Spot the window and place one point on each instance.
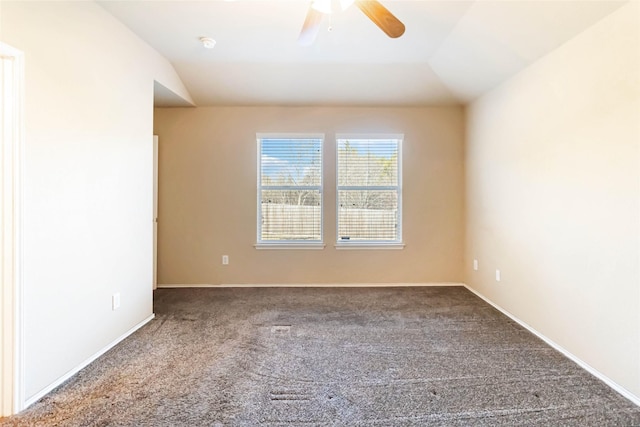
(369, 192)
(290, 191)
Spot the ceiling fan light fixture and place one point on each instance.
(373, 9)
(323, 6)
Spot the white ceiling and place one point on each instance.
(452, 51)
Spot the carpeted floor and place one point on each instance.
(330, 357)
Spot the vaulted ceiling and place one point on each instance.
(452, 51)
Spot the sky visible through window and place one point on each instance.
(291, 161)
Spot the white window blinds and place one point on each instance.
(369, 190)
(290, 190)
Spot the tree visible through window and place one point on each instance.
(369, 191)
(290, 190)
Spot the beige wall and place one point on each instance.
(207, 200)
(553, 185)
(87, 226)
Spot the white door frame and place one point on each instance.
(155, 211)
(11, 157)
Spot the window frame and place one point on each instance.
(369, 244)
(288, 244)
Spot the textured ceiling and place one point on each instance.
(452, 51)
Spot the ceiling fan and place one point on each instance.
(374, 10)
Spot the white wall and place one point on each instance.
(553, 196)
(88, 180)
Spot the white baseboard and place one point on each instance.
(84, 364)
(301, 285)
(608, 381)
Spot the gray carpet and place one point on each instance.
(330, 357)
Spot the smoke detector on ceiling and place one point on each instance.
(208, 42)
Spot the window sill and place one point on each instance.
(296, 246)
(368, 246)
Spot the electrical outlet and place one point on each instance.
(475, 264)
(115, 301)
(497, 275)
(225, 259)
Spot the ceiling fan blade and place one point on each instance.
(310, 28)
(381, 16)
